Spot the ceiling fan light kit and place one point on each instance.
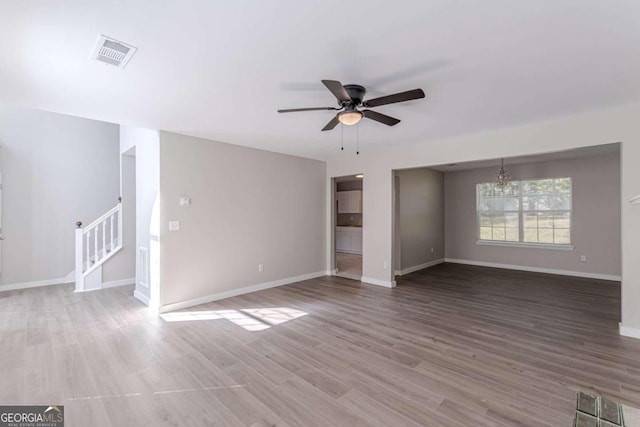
(349, 117)
(351, 97)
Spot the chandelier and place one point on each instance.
(502, 176)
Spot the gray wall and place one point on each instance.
(248, 207)
(420, 216)
(56, 170)
(595, 222)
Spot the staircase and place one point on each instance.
(95, 244)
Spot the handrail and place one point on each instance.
(97, 242)
(101, 218)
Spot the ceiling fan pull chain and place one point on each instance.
(341, 137)
(357, 139)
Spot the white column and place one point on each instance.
(119, 224)
(79, 255)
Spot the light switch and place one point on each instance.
(174, 225)
(185, 201)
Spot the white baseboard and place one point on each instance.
(111, 284)
(420, 267)
(141, 297)
(69, 278)
(348, 276)
(121, 282)
(626, 331)
(385, 283)
(535, 269)
(239, 291)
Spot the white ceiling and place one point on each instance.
(578, 153)
(221, 69)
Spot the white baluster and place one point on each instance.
(88, 250)
(104, 238)
(111, 241)
(96, 252)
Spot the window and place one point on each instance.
(528, 212)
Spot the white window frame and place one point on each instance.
(520, 243)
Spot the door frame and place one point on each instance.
(333, 230)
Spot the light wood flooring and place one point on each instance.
(450, 346)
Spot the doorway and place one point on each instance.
(418, 219)
(348, 226)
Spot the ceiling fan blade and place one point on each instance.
(337, 90)
(333, 123)
(379, 117)
(396, 97)
(293, 110)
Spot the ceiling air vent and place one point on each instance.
(113, 52)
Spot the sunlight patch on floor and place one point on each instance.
(250, 319)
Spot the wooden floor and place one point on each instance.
(349, 265)
(450, 346)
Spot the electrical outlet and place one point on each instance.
(583, 258)
(260, 267)
(174, 225)
(431, 250)
(385, 265)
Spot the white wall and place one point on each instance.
(595, 216)
(248, 207)
(56, 170)
(420, 216)
(145, 143)
(615, 125)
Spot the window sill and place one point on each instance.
(526, 245)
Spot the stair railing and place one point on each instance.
(97, 242)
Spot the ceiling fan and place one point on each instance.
(351, 97)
